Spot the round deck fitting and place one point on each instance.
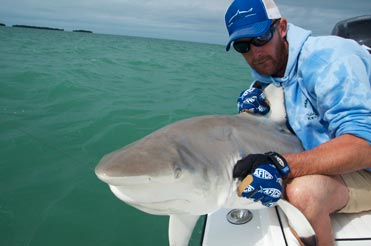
(239, 216)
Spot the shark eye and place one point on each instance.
(177, 172)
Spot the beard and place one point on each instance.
(274, 63)
(265, 65)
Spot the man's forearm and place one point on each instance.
(344, 154)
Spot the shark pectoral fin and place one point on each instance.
(299, 223)
(181, 228)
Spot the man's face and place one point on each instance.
(271, 58)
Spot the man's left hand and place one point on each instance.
(267, 171)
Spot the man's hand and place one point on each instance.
(254, 101)
(267, 171)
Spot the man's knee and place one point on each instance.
(317, 193)
(300, 192)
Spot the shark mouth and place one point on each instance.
(158, 207)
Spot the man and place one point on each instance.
(326, 81)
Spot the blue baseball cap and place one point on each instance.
(249, 18)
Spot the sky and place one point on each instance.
(189, 20)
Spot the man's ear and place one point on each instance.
(283, 27)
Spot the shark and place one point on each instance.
(184, 170)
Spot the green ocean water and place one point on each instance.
(66, 99)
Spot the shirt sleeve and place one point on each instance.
(344, 97)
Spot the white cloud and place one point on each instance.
(321, 16)
(186, 20)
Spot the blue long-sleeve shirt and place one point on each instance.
(327, 86)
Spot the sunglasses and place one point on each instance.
(244, 46)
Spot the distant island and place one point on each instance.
(82, 31)
(39, 27)
(46, 28)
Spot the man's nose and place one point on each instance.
(256, 51)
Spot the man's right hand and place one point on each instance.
(253, 100)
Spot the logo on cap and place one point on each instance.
(240, 14)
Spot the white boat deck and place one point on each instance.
(352, 229)
(269, 227)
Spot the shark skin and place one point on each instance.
(184, 170)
